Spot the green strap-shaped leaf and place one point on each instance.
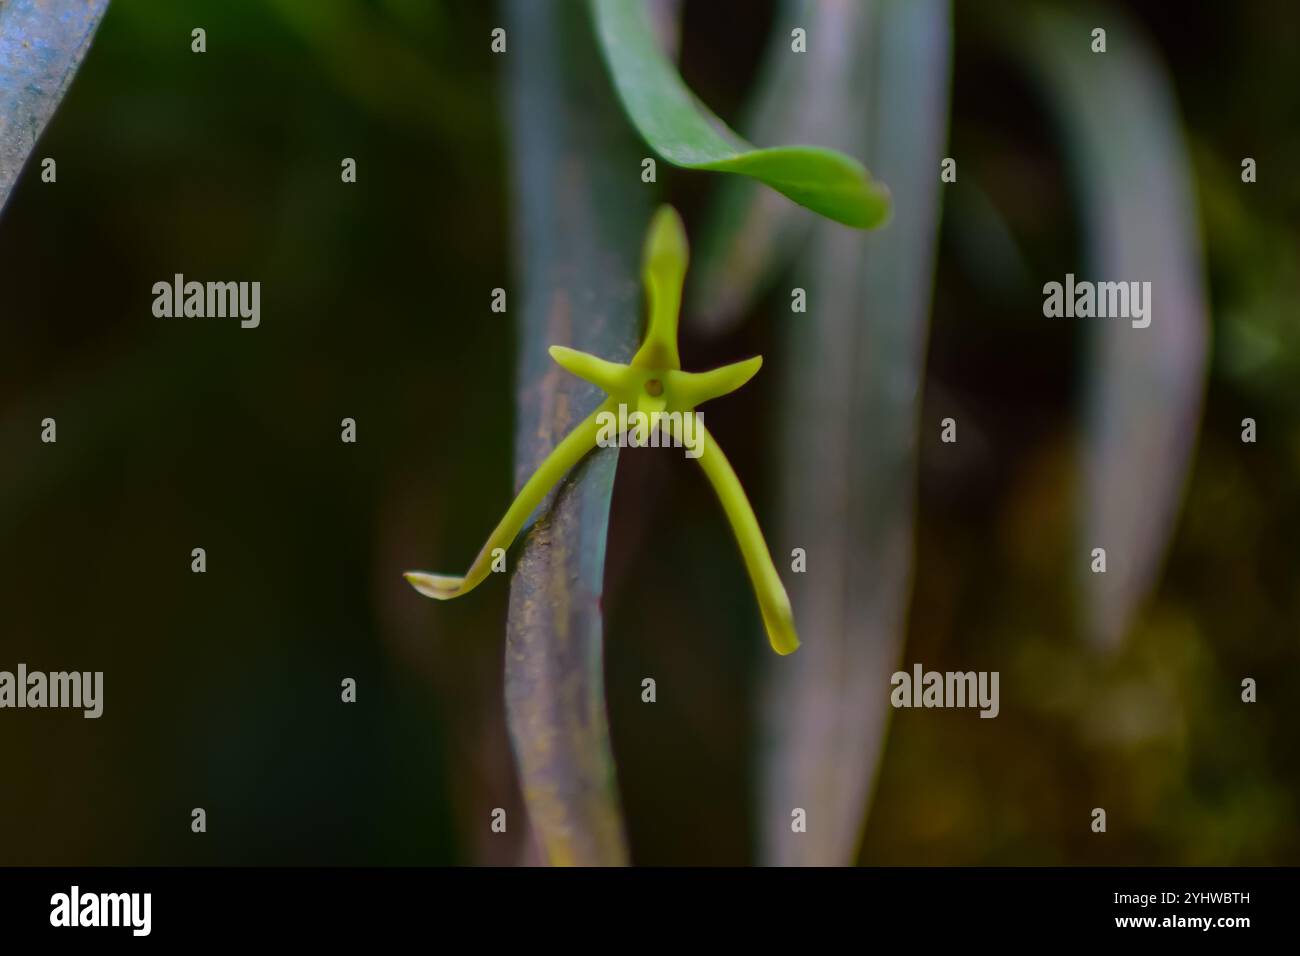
(685, 133)
(579, 229)
(42, 43)
(1144, 386)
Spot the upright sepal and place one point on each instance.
(664, 271)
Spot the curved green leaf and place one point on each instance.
(685, 133)
(750, 234)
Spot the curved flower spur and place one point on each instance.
(654, 384)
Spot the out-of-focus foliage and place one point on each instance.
(855, 367)
(1144, 384)
(41, 46)
(751, 235)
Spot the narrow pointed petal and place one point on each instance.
(440, 587)
(590, 368)
(772, 599)
(548, 474)
(663, 270)
(696, 388)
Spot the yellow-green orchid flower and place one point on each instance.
(652, 383)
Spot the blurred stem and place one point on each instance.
(580, 210)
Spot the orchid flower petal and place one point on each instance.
(608, 376)
(565, 455)
(773, 602)
(663, 270)
(696, 388)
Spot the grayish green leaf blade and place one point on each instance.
(581, 212)
(42, 42)
(751, 234)
(855, 369)
(1144, 386)
(666, 15)
(683, 131)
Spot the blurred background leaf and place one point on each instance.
(751, 234)
(42, 42)
(1144, 387)
(850, 413)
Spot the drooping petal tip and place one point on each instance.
(440, 587)
(780, 632)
